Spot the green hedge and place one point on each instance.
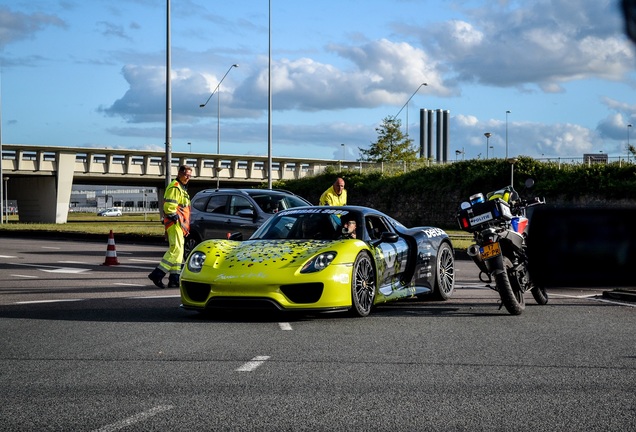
(431, 195)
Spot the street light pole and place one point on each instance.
(218, 119)
(2, 207)
(343, 151)
(270, 151)
(512, 162)
(407, 109)
(507, 112)
(168, 143)
(487, 135)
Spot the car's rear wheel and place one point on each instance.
(362, 285)
(445, 273)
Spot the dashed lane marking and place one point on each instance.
(49, 301)
(285, 326)
(137, 418)
(251, 365)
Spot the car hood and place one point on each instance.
(261, 254)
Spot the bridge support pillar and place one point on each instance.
(47, 199)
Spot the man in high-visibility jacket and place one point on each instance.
(336, 195)
(176, 219)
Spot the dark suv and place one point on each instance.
(217, 212)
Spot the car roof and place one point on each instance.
(247, 191)
(350, 208)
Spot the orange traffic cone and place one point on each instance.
(111, 253)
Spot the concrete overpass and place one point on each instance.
(40, 178)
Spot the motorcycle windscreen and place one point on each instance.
(583, 247)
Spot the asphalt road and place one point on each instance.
(88, 347)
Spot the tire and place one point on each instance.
(512, 300)
(540, 295)
(445, 273)
(189, 243)
(363, 285)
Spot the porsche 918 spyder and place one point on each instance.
(320, 259)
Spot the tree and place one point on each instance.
(391, 146)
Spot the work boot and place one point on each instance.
(173, 281)
(156, 277)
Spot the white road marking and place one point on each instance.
(8, 256)
(285, 326)
(594, 297)
(24, 276)
(136, 267)
(153, 297)
(135, 419)
(252, 364)
(51, 247)
(128, 284)
(65, 270)
(143, 260)
(49, 301)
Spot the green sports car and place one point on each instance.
(320, 259)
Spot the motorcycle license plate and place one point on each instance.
(490, 250)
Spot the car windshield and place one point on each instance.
(273, 203)
(305, 224)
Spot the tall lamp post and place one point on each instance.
(407, 109)
(343, 151)
(512, 162)
(487, 135)
(507, 112)
(218, 120)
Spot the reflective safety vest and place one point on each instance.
(177, 201)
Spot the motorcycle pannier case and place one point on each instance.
(479, 215)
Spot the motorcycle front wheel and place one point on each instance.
(512, 300)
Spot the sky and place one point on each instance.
(91, 73)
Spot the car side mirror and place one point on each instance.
(386, 237)
(246, 213)
(236, 236)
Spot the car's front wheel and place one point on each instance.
(189, 243)
(362, 285)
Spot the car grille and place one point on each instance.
(197, 292)
(303, 293)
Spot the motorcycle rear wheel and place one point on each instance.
(540, 295)
(512, 300)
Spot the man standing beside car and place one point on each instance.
(336, 195)
(176, 220)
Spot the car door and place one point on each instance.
(241, 216)
(211, 222)
(390, 258)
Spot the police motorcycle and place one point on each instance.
(499, 224)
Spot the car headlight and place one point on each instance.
(195, 262)
(319, 262)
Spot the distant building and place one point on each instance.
(592, 158)
(87, 196)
